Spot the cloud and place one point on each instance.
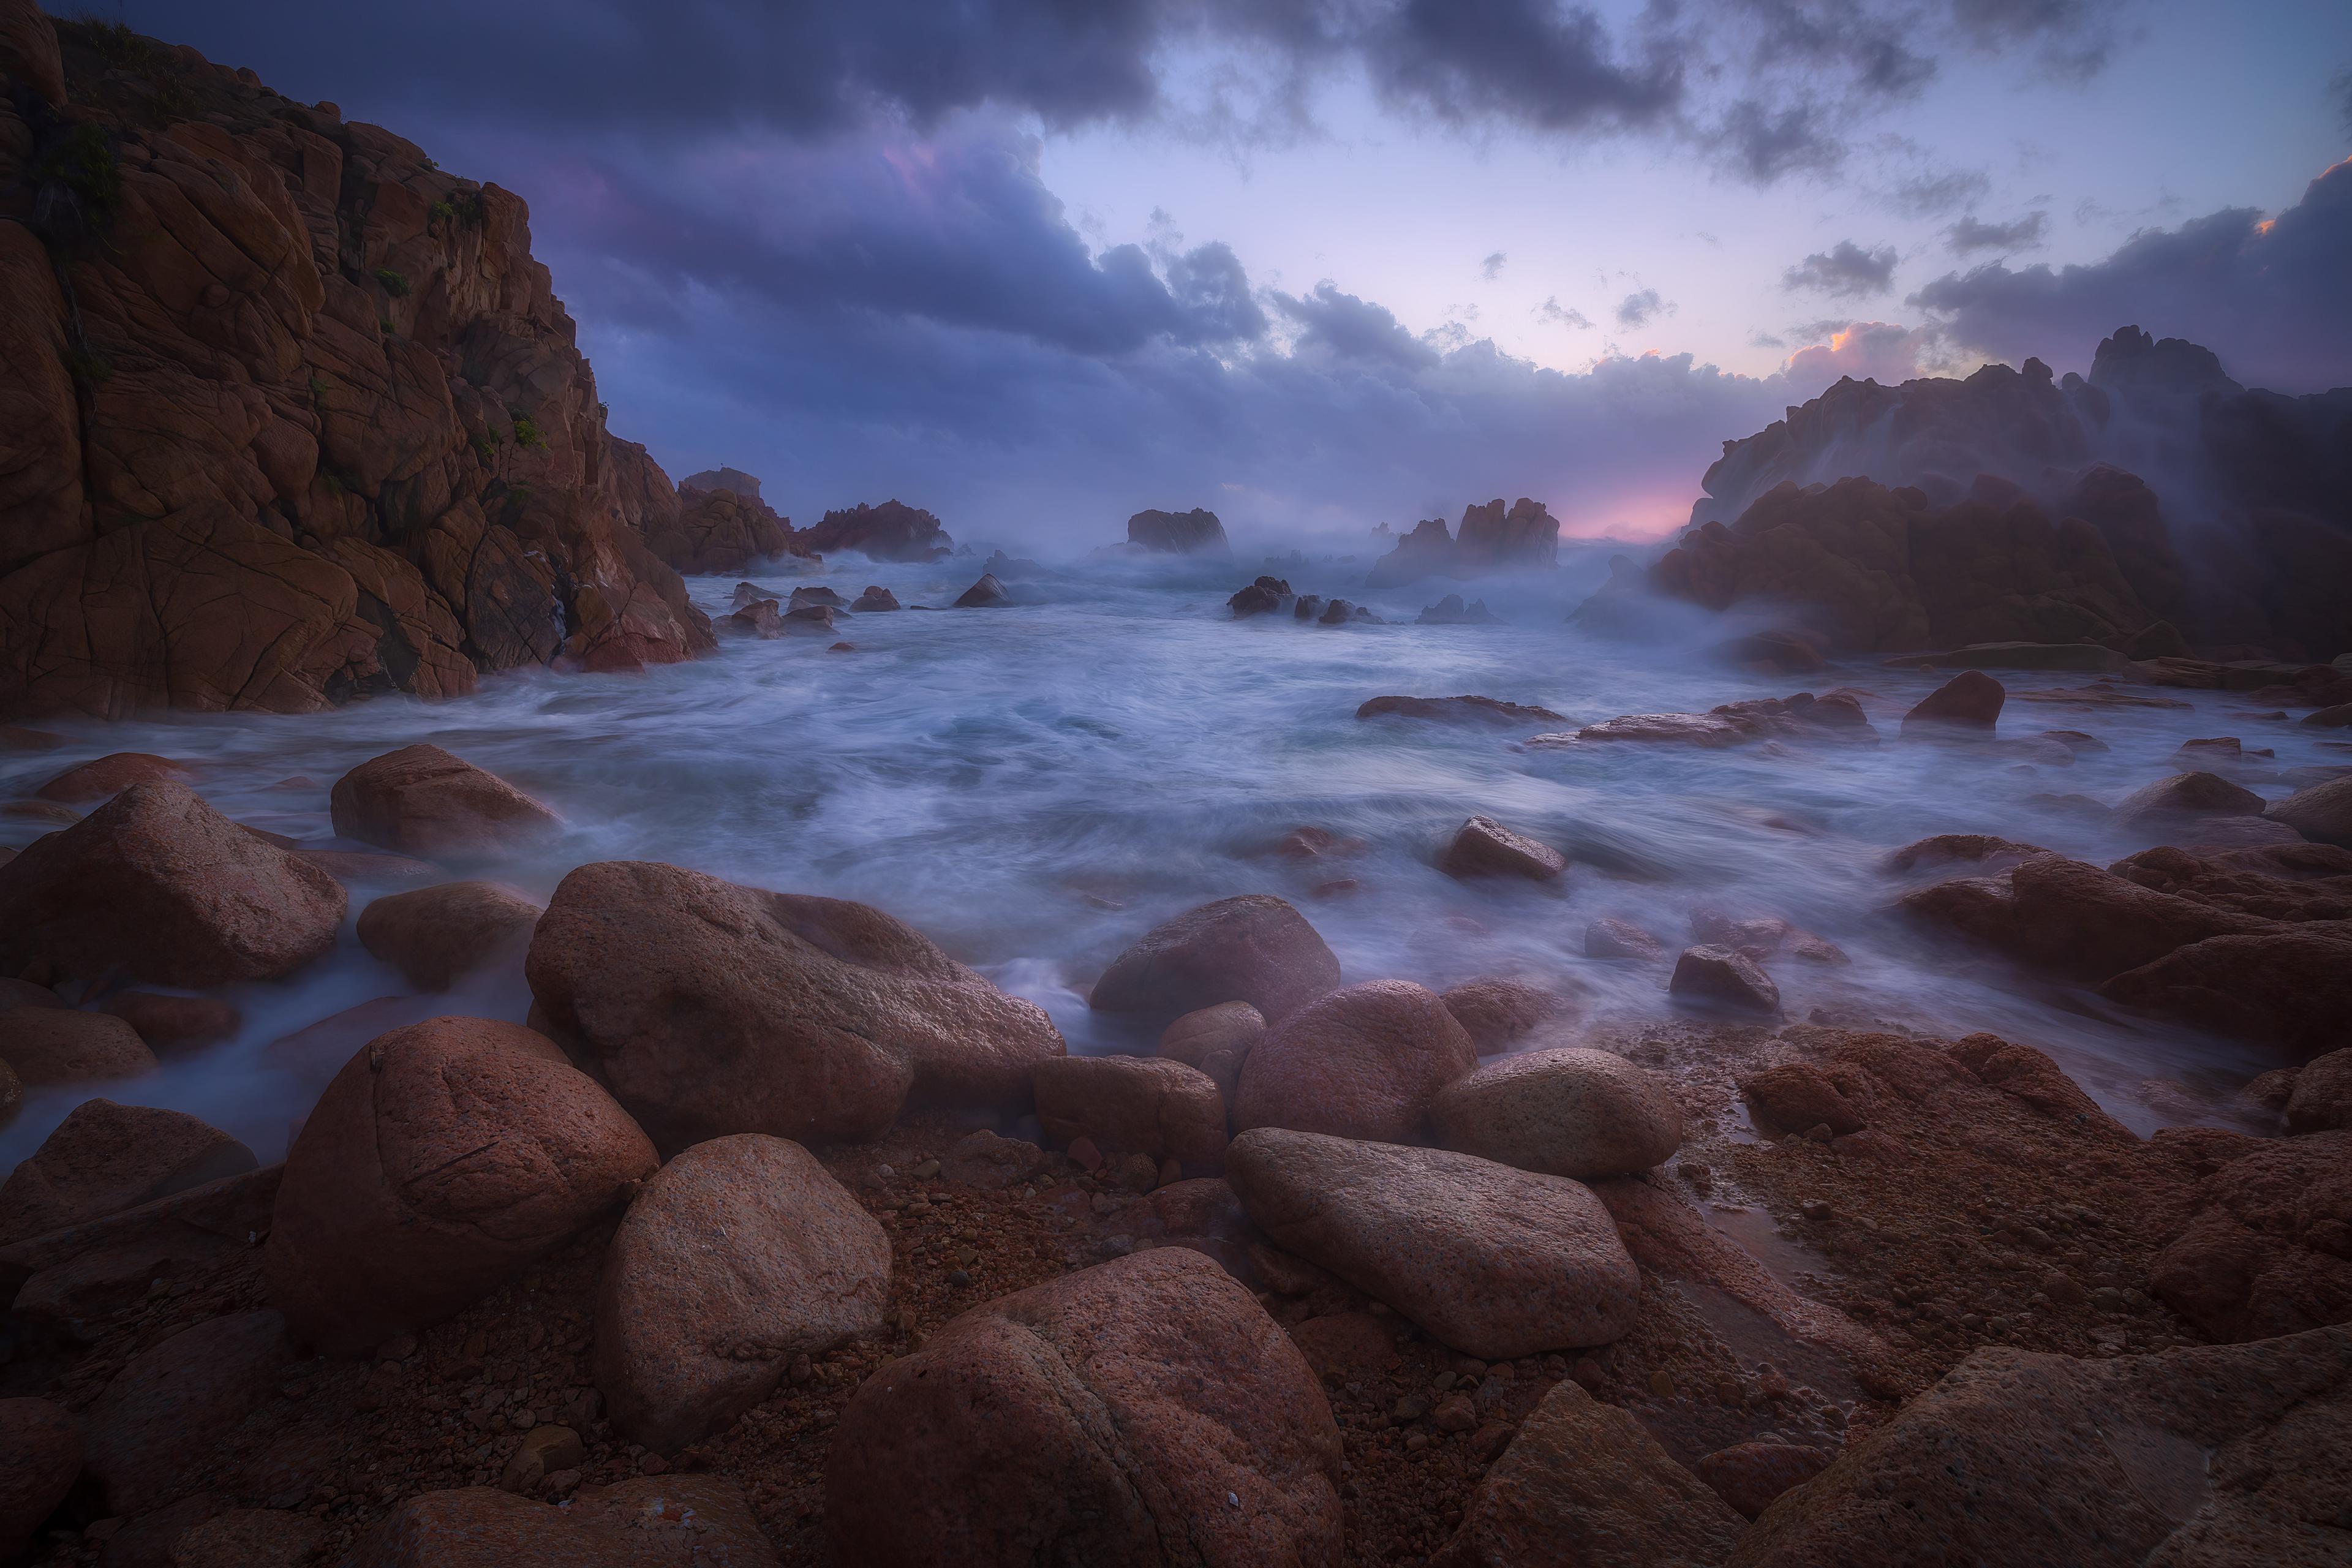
(1760, 339)
(1471, 60)
(1844, 271)
(1876, 351)
(1971, 234)
(1345, 327)
(1639, 310)
(1559, 315)
(2072, 40)
(2339, 92)
(1492, 268)
(2268, 295)
(1763, 143)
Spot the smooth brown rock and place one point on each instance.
(741, 1254)
(1254, 948)
(2321, 1099)
(420, 800)
(1621, 938)
(162, 1416)
(711, 1008)
(1750, 1476)
(1217, 1040)
(44, 1045)
(1496, 1012)
(2269, 1249)
(1492, 1261)
(1569, 1112)
(2227, 1456)
(40, 1455)
(109, 776)
(1135, 1105)
(1362, 1062)
(2078, 919)
(1483, 847)
(1584, 1483)
(669, 1521)
(2322, 813)
(1726, 978)
(158, 887)
(543, 1451)
(1970, 701)
(2298, 881)
(2186, 796)
(168, 1023)
(1797, 1097)
(439, 1162)
(1945, 848)
(104, 1158)
(2292, 987)
(986, 594)
(435, 936)
(1138, 1413)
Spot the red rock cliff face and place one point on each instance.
(286, 414)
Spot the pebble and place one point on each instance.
(1815, 1209)
(925, 1169)
(1662, 1383)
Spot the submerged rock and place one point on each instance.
(1254, 949)
(1483, 847)
(1969, 702)
(1727, 978)
(1458, 710)
(1497, 1011)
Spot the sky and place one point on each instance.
(1322, 264)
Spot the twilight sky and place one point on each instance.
(1316, 264)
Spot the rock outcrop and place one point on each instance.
(721, 530)
(313, 426)
(1524, 537)
(892, 531)
(1194, 532)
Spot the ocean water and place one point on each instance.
(1034, 786)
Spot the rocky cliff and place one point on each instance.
(288, 414)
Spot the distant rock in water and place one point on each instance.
(986, 594)
(1451, 612)
(1194, 532)
(892, 531)
(1458, 710)
(1263, 597)
(322, 429)
(1522, 538)
(722, 478)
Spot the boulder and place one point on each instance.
(15, 993)
(2266, 1252)
(2185, 795)
(669, 1521)
(2078, 919)
(2291, 986)
(1569, 1112)
(1949, 848)
(2320, 1100)
(1483, 847)
(1194, 532)
(420, 800)
(1265, 596)
(166, 1412)
(1708, 730)
(762, 619)
(875, 598)
(985, 594)
(1450, 611)
(40, 1455)
(1365, 1061)
(1584, 1483)
(44, 1045)
(1254, 949)
(1217, 1040)
(2322, 813)
(104, 1158)
(1795, 1097)
(158, 887)
(1486, 710)
(815, 594)
(1726, 978)
(441, 1161)
(1970, 701)
(1492, 1261)
(711, 1009)
(1135, 1105)
(892, 531)
(2221, 1455)
(169, 1022)
(1496, 1012)
(251, 1538)
(437, 936)
(1138, 1412)
(109, 776)
(1750, 1476)
(1621, 938)
(741, 1254)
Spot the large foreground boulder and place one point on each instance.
(1492, 1261)
(104, 1158)
(711, 1008)
(441, 1161)
(2221, 1456)
(40, 1455)
(1135, 1105)
(44, 1045)
(1570, 1112)
(1142, 1413)
(1254, 949)
(2322, 813)
(670, 1522)
(420, 800)
(437, 936)
(742, 1253)
(1584, 1483)
(156, 886)
(1364, 1062)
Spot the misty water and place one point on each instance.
(1034, 786)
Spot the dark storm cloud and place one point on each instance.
(1552, 67)
(1844, 271)
(1971, 235)
(2268, 296)
(1352, 329)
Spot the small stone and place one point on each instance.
(1412, 1408)
(1662, 1383)
(958, 1278)
(1455, 1414)
(1815, 1209)
(924, 1170)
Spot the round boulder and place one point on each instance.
(50, 1045)
(742, 1253)
(1254, 948)
(1362, 1062)
(711, 1008)
(104, 1158)
(40, 1455)
(1570, 1112)
(437, 936)
(420, 800)
(1496, 1013)
(1139, 1413)
(1217, 1040)
(1135, 1105)
(158, 887)
(441, 1161)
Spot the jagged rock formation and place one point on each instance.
(1491, 539)
(2226, 512)
(286, 414)
(1178, 532)
(892, 531)
(722, 530)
